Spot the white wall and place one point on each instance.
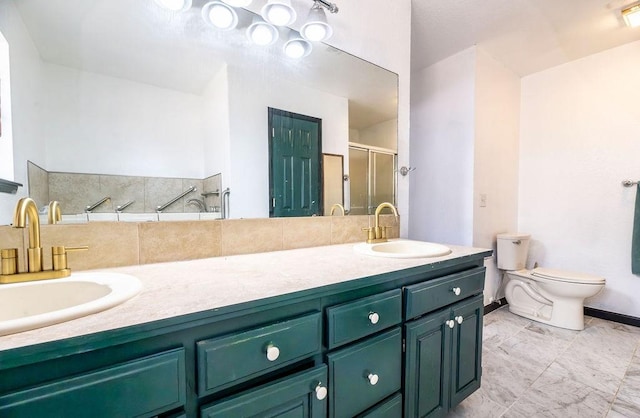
(442, 141)
(215, 120)
(25, 82)
(579, 140)
(6, 135)
(115, 126)
(497, 121)
(381, 135)
(250, 96)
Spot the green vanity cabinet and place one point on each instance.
(443, 358)
(302, 395)
(403, 343)
(142, 387)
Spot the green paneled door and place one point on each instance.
(294, 171)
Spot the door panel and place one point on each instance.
(294, 172)
(466, 366)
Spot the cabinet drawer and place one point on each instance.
(299, 395)
(391, 408)
(365, 373)
(143, 387)
(354, 320)
(238, 357)
(428, 296)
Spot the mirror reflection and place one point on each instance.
(128, 101)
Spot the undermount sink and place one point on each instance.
(403, 248)
(30, 305)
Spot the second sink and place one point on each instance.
(403, 249)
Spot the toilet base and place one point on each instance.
(574, 322)
(527, 300)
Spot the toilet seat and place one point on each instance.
(566, 276)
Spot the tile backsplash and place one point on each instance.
(118, 244)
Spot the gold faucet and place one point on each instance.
(377, 233)
(27, 212)
(336, 206)
(26, 209)
(55, 215)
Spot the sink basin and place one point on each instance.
(25, 306)
(403, 249)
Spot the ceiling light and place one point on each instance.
(631, 15)
(238, 3)
(262, 33)
(174, 5)
(297, 47)
(220, 15)
(279, 12)
(316, 28)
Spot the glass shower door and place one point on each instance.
(372, 179)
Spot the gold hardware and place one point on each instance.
(9, 259)
(378, 233)
(336, 206)
(26, 210)
(55, 214)
(59, 256)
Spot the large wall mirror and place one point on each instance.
(125, 88)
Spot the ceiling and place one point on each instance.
(527, 36)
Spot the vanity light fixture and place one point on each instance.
(174, 5)
(297, 47)
(262, 33)
(220, 15)
(279, 12)
(316, 28)
(631, 15)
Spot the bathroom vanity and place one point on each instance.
(317, 332)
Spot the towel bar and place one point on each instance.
(629, 183)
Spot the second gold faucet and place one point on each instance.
(378, 233)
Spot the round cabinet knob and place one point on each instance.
(273, 352)
(456, 291)
(450, 323)
(459, 319)
(321, 391)
(374, 318)
(373, 379)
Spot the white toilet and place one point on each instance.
(550, 296)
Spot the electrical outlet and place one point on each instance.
(483, 200)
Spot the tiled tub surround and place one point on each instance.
(75, 191)
(116, 244)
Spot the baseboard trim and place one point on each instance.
(495, 305)
(612, 316)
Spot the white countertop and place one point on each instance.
(180, 288)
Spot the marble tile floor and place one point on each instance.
(533, 370)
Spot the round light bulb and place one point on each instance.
(279, 14)
(261, 35)
(315, 32)
(294, 49)
(221, 17)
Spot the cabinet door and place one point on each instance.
(428, 356)
(466, 361)
(302, 395)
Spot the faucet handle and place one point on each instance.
(371, 233)
(59, 255)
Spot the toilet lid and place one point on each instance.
(566, 276)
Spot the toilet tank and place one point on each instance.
(512, 251)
